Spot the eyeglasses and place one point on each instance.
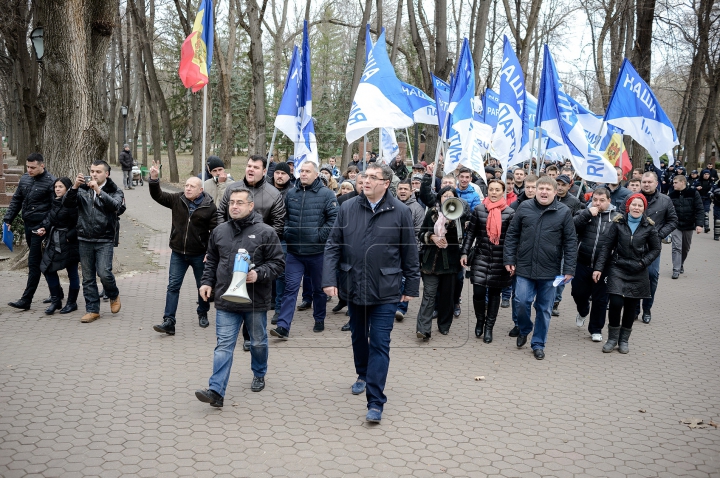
(238, 203)
(375, 178)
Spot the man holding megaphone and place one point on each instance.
(236, 304)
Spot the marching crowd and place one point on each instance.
(370, 235)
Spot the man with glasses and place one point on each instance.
(373, 246)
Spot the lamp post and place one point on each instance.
(124, 112)
(36, 37)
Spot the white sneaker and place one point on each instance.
(596, 337)
(580, 320)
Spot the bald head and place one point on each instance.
(193, 188)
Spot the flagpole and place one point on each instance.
(204, 130)
(407, 143)
(272, 145)
(362, 161)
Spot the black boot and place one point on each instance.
(56, 294)
(492, 312)
(707, 222)
(71, 304)
(716, 232)
(479, 306)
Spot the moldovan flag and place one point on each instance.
(197, 50)
(617, 154)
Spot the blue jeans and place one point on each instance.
(543, 293)
(227, 327)
(514, 309)
(295, 267)
(402, 307)
(96, 260)
(280, 282)
(654, 273)
(370, 328)
(179, 264)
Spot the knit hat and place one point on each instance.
(418, 177)
(490, 170)
(635, 196)
(214, 162)
(284, 167)
(327, 168)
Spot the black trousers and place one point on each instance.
(34, 242)
(583, 287)
(625, 305)
(482, 302)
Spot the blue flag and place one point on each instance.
(634, 108)
(286, 119)
(379, 100)
(424, 108)
(510, 137)
(461, 109)
(306, 144)
(441, 91)
(8, 237)
(558, 120)
(491, 101)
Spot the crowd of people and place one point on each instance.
(370, 236)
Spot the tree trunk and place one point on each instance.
(357, 71)
(77, 37)
(225, 69)
(478, 47)
(112, 138)
(397, 32)
(154, 84)
(256, 112)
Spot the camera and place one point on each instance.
(88, 179)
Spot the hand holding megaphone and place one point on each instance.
(242, 275)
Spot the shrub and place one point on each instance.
(17, 227)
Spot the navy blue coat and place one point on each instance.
(311, 212)
(369, 253)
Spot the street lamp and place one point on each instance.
(124, 112)
(36, 37)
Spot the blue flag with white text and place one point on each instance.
(286, 119)
(379, 101)
(306, 144)
(490, 107)
(634, 108)
(424, 108)
(510, 136)
(557, 119)
(441, 91)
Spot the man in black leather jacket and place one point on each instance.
(100, 202)
(33, 196)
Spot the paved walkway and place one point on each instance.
(114, 398)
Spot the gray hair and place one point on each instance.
(314, 166)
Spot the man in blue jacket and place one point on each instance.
(373, 247)
(311, 212)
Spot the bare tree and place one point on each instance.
(524, 14)
(251, 20)
(225, 64)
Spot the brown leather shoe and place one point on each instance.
(115, 305)
(89, 317)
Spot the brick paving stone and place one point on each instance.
(115, 398)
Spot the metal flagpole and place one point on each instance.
(272, 145)
(362, 160)
(407, 144)
(204, 129)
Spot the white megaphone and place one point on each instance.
(453, 208)
(237, 292)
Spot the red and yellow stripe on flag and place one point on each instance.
(196, 53)
(617, 154)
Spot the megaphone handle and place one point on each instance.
(458, 225)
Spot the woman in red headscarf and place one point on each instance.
(633, 248)
(488, 224)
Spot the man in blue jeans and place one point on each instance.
(244, 230)
(194, 216)
(372, 247)
(100, 203)
(311, 212)
(540, 244)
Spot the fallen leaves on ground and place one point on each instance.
(694, 423)
(481, 377)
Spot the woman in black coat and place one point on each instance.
(61, 250)
(633, 246)
(439, 265)
(488, 224)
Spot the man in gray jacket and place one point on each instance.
(244, 230)
(406, 195)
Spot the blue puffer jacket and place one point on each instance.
(470, 196)
(311, 212)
